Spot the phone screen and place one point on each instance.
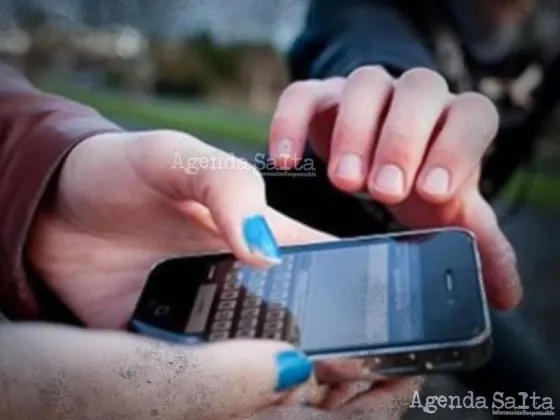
(340, 296)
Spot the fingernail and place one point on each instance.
(285, 147)
(294, 368)
(390, 180)
(437, 181)
(259, 238)
(350, 166)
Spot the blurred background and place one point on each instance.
(215, 68)
(201, 57)
(210, 67)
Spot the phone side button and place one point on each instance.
(447, 366)
(398, 370)
(142, 328)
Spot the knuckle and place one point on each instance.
(298, 91)
(336, 81)
(154, 136)
(480, 104)
(423, 79)
(397, 147)
(158, 144)
(164, 132)
(349, 131)
(481, 126)
(157, 139)
(479, 101)
(452, 155)
(370, 73)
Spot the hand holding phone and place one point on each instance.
(404, 304)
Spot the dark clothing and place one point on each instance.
(38, 130)
(341, 36)
(453, 37)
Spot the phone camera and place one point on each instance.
(161, 310)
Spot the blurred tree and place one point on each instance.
(33, 20)
(221, 61)
(179, 71)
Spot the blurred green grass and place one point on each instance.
(542, 190)
(196, 118)
(251, 131)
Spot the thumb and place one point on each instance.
(220, 186)
(235, 377)
(106, 374)
(234, 196)
(499, 263)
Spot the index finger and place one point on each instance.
(295, 110)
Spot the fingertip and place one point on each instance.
(293, 368)
(347, 172)
(435, 185)
(506, 287)
(250, 238)
(346, 184)
(285, 152)
(388, 184)
(260, 239)
(251, 374)
(506, 301)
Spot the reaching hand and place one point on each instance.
(60, 372)
(411, 145)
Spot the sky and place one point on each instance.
(276, 21)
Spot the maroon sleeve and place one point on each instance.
(37, 130)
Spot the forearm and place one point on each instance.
(38, 130)
(53, 372)
(38, 381)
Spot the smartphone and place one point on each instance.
(410, 303)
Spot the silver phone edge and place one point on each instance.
(470, 343)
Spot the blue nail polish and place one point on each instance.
(294, 368)
(260, 238)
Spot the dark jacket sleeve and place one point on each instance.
(340, 36)
(37, 130)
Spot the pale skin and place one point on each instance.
(118, 208)
(411, 145)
